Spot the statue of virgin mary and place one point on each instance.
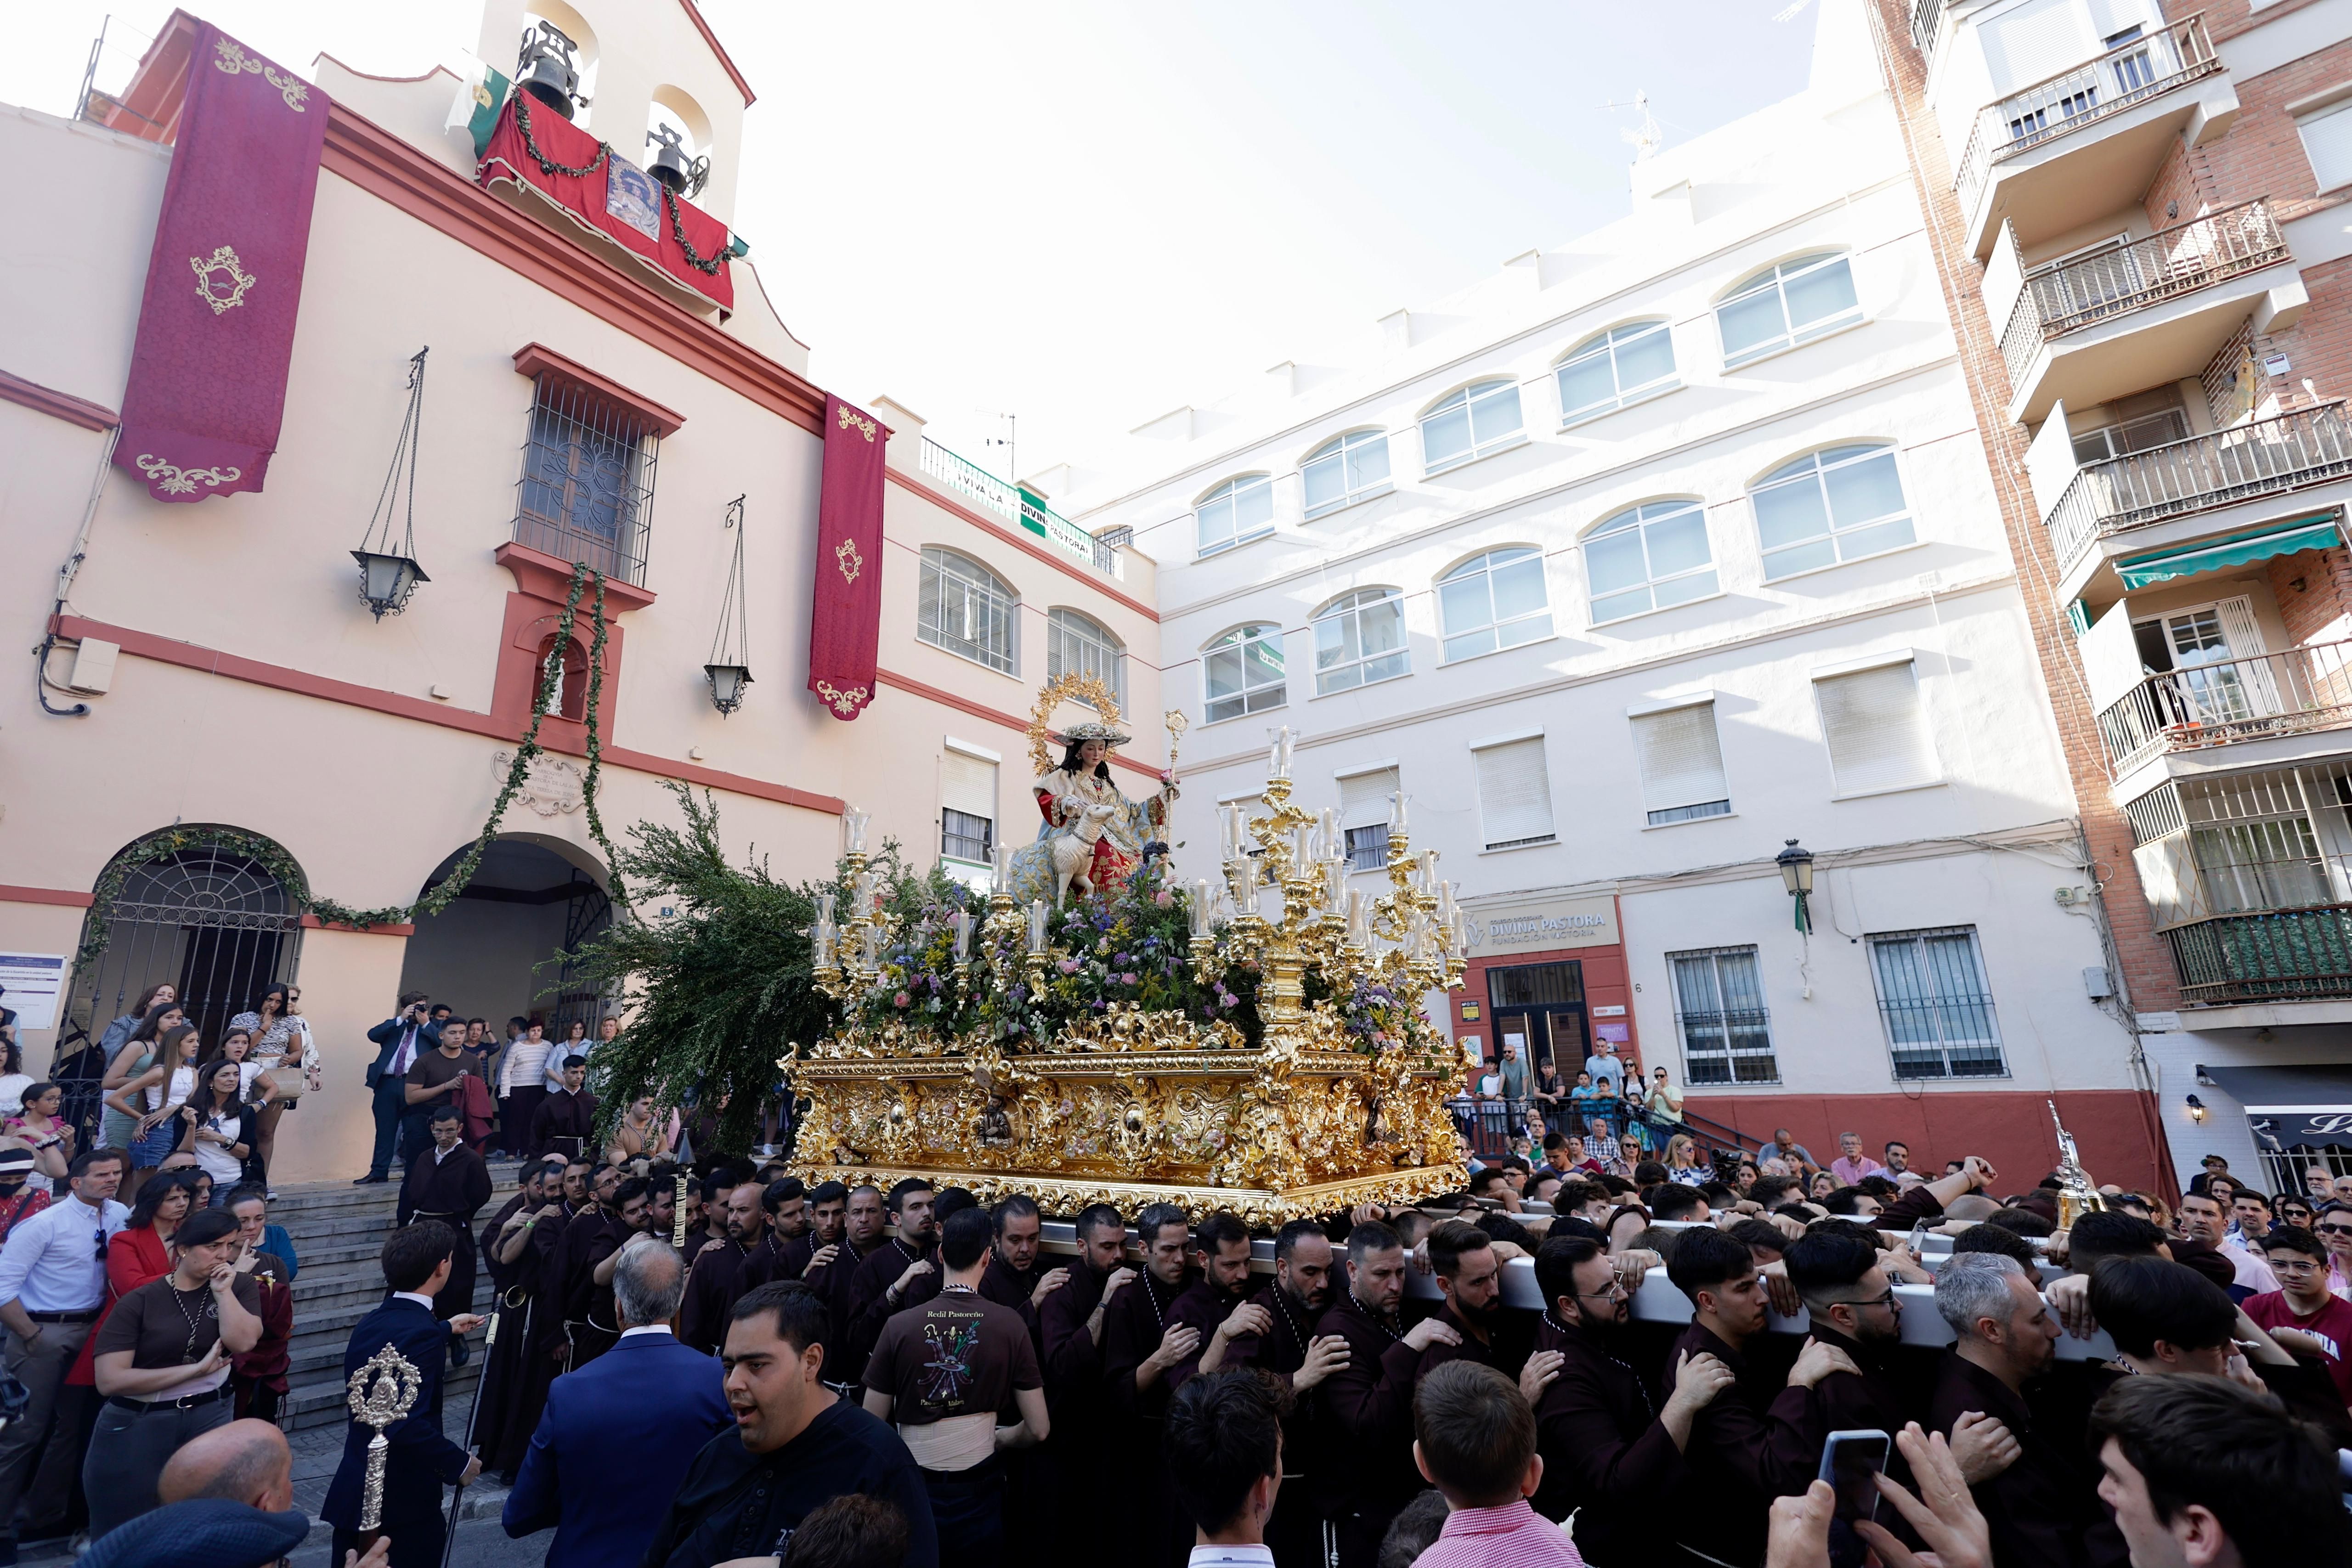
(1069, 800)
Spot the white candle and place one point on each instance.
(1037, 925)
(962, 934)
(1396, 815)
(1004, 867)
(1200, 909)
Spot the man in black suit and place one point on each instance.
(416, 1267)
(399, 1040)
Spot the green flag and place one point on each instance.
(475, 112)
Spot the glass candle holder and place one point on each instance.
(1037, 925)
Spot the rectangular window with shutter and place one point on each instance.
(967, 809)
(1876, 730)
(1937, 1007)
(1515, 794)
(1682, 765)
(2327, 142)
(1366, 802)
(1719, 1013)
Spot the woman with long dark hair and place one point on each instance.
(167, 1085)
(217, 1124)
(283, 1048)
(139, 1251)
(51, 1140)
(134, 1056)
(120, 1031)
(1079, 800)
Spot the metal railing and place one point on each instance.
(586, 494)
(974, 483)
(2276, 953)
(2067, 297)
(2229, 701)
(2074, 99)
(1927, 21)
(2261, 457)
(1733, 1047)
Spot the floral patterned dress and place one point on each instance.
(1062, 794)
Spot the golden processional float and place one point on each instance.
(1254, 1043)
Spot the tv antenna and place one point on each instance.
(1645, 138)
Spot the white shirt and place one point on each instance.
(1218, 1556)
(52, 1262)
(422, 1300)
(661, 1329)
(551, 1076)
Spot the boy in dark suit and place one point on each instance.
(619, 1433)
(416, 1262)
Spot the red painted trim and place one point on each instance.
(66, 896)
(277, 677)
(543, 576)
(312, 923)
(536, 360)
(56, 404)
(1024, 541)
(988, 714)
(371, 158)
(720, 50)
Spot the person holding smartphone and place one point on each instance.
(400, 1039)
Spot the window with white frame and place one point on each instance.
(1367, 802)
(1234, 512)
(1474, 421)
(1360, 638)
(1494, 600)
(1783, 306)
(1078, 645)
(1682, 765)
(964, 608)
(1719, 1012)
(1241, 673)
(1649, 557)
(1346, 470)
(1514, 794)
(1937, 1006)
(2327, 142)
(1876, 730)
(1622, 366)
(1828, 506)
(967, 807)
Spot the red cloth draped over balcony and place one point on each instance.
(845, 611)
(602, 191)
(207, 387)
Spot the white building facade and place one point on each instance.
(1629, 564)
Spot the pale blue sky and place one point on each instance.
(1091, 213)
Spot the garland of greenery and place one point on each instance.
(700, 263)
(547, 165)
(272, 857)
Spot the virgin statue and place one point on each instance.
(1092, 837)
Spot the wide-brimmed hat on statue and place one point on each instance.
(1079, 734)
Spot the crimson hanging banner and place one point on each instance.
(207, 387)
(537, 150)
(846, 614)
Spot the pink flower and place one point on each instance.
(1130, 977)
(1163, 898)
(1069, 966)
(899, 1000)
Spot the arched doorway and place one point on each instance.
(215, 911)
(489, 954)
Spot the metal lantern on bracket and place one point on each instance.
(730, 670)
(548, 68)
(684, 175)
(389, 572)
(1796, 863)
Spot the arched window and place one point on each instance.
(1828, 506)
(1622, 366)
(963, 607)
(571, 696)
(1241, 673)
(1236, 510)
(1342, 472)
(1075, 645)
(1496, 601)
(1360, 638)
(1647, 557)
(1783, 306)
(1471, 423)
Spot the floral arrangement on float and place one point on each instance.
(1253, 1041)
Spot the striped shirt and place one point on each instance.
(1514, 1536)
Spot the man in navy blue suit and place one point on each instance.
(399, 1040)
(415, 1266)
(619, 1433)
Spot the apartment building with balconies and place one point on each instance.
(1630, 565)
(2144, 234)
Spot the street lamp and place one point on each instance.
(1796, 863)
(730, 668)
(386, 580)
(726, 684)
(388, 569)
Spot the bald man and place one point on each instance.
(246, 1461)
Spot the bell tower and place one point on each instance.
(647, 76)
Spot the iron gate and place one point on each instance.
(214, 923)
(587, 913)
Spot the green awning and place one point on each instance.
(2243, 549)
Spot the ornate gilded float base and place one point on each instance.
(1064, 1197)
(1136, 1108)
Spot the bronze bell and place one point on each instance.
(683, 177)
(546, 69)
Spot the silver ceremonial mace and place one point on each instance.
(382, 1391)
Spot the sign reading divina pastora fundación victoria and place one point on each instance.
(1547, 923)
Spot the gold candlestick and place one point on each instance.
(382, 1391)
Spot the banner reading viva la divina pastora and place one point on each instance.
(207, 388)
